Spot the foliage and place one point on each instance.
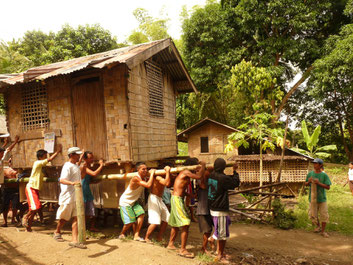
(279, 34)
(11, 61)
(255, 88)
(149, 29)
(311, 143)
(282, 218)
(41, 48)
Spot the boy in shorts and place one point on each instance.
(34, 186)
(218, 186)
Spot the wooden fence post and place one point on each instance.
(80, 207)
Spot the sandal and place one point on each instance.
(77, 245)
(139, 239)
(58, 237)
(186, 255)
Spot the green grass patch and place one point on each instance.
(340, 208)
(204, 258)
(182, 149)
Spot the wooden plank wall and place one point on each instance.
(153, 138)
(59, 106)
(116, 113)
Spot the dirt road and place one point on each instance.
(249, 244)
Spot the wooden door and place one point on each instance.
(89, 118)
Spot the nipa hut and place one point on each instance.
(120, 104)
(207, 140)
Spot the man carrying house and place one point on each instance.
(218, 186)
(319, 182)
(179, 215)
(158, 213)
(70, 175)
(131, 211)
(34, 186)
(9, 191)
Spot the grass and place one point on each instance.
(182, 149)
(339, 199)
(204, 258)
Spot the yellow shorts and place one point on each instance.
(321, 210)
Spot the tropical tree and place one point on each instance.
(286, 35)
(149, 28)
(311, 142)
(259, 129)
(11, 61)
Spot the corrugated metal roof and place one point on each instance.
(101, 60)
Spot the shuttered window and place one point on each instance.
(155, 88)
(34, 110)
(204, 145)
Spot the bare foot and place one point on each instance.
(148, 241)
(317, 229)
(324, 234)
(172, 247)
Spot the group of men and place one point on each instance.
(212, 210)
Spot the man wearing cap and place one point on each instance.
(70, 175)
(319, 182)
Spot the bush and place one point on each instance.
(282, 218)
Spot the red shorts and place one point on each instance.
(33, 199)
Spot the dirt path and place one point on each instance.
(249, 244)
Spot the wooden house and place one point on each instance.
(207, 140)
(120, 104)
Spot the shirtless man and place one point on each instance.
(130, 209)
(158, 213)
(179, 217)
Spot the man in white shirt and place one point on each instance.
(70, 175)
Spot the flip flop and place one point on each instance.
(122, 236)
(140, 239)
(186, 255)
(77, 245)
(58, 237)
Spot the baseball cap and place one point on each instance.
(74, 150)
(318, 160)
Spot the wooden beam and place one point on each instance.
(257, 188)
(80, 207)
(247, 215)
(38, 134)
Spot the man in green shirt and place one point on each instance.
(319, 182)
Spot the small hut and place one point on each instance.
(207, 140)
(120, 104)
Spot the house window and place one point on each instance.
(34, 111)
(155, 88)
(204, 145)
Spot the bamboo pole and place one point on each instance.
(257, 188)
(159, 172)
(247, 215)
(80, 207)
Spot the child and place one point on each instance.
(34, 185)
(87, 193)
(218, 186)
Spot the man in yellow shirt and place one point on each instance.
(34, 185)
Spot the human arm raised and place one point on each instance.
(17, 139)
(97, 171)
(56, 153)
(165, 181)
(143, 183)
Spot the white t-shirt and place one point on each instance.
(350, 174)
(71, 172)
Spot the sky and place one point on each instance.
(18, 16)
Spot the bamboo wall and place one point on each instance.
(116, 113)
(59, 106)
(152, 138)
(217, 140)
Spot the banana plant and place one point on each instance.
(311, 142)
